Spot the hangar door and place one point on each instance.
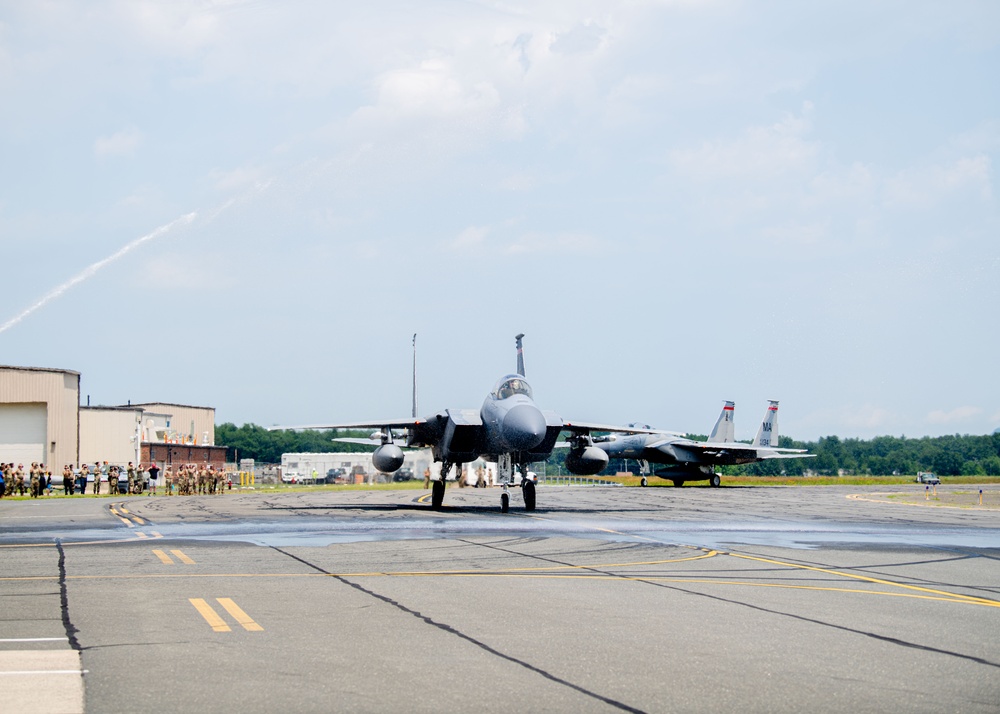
(22, 433)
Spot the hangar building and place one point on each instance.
(41, 420)
(39, 415)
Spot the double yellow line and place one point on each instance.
(167, 560)
(215, 620)
(132, 521)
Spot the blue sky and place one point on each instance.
(253, 206)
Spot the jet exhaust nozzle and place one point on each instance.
(523, 427)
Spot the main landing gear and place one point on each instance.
(528, 491)
(437, 487)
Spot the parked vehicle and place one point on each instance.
(928, 478)
(403, 474)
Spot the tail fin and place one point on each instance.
(767, 435)
(724, 431)
(520, 354)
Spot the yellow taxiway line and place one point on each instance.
(210, 615)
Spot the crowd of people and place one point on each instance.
(186, 480)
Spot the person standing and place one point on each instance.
(97, 478)
(33, 480)
(154, 472)
(68, 480)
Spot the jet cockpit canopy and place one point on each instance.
(510, 385)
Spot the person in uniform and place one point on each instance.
(97, 478)
(19, 479)
(33, 476)
(68, 480)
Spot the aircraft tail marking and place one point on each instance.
(767, 434)
(724, 431)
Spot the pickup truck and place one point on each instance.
(928, 478)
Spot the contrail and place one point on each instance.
(90, 271)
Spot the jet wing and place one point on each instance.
(377, 424)
(580, 427)
(418, 432)
(714, 448)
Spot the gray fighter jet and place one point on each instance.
(685, 459)
(509, 430)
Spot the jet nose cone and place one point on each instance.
(523, 427)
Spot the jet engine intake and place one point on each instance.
(388, 458)
(586, 460)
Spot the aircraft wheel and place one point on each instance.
(644, 482)
(715, 481)
(504, 502)
(678, 482)
(528, 490)
(437, 495)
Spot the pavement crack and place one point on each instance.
(468, 638)
(71, 630)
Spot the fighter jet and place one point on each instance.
(509, 430)
(685, 459)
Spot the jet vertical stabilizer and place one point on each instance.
(767, 435)
(520, 354)
(724, 431)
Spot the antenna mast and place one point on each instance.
(414, 375)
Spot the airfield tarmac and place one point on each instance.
(604, 599)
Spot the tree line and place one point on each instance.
(952, 455)
(882, 456)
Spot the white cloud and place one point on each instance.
(563, 243)
(761, 152)
(797, 234)
(235, 179)
(168, 273)
(869, 418)
(956, 415)
(122, 143)
(471, 237)
(929, 185)
(432, 89)
(584, 37)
